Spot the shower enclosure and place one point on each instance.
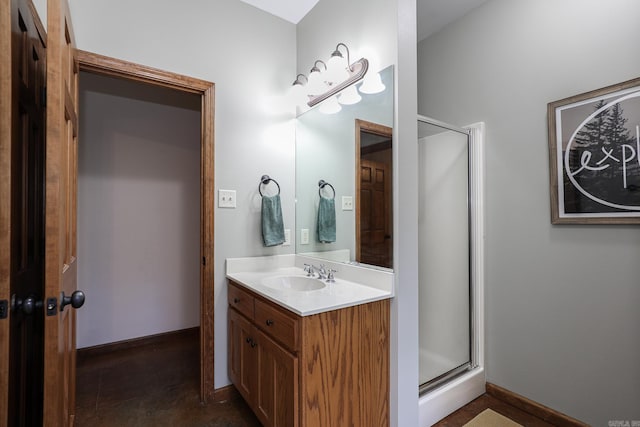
(447, 253)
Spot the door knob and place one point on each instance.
(76, 300)
(27, 305)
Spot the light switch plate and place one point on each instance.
(287, 237)
(226, 198)
(347, 203)
(304, 236)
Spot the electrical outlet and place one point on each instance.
(304, 236)
(226, 198)
(347, 203)
(287, 237)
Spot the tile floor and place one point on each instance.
(151, 385)
(158, 385)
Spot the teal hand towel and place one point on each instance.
(326, 220)
(272, 224)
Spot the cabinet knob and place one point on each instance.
(269, 322)
(236, 300)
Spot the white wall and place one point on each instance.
(138, 210)
(250, 56)
(562, 301)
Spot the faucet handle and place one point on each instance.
(330, 277)
(308, 269)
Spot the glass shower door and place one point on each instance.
(444, 252)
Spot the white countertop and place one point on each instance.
(250, 273)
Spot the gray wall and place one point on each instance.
(250, 56)
(138, 210)
(563, 317)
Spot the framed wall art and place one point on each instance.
(594, 156)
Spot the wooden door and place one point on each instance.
(375, 229)
(60, 217)
(5, 202)
(27, 216)
(22, 118)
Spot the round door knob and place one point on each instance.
(28, 305)
(76, 300)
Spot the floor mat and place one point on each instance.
(489, 418)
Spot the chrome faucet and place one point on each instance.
(323, 273)
(320, 271)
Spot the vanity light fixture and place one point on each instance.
(336, 83)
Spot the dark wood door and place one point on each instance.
(61, 262)
(26, 318)
(374, 216)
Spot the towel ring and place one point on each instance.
(321, 184)
(264, 181)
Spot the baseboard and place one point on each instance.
(534, 408)
(102, 349)
(224, 394)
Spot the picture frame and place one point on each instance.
(594, 156)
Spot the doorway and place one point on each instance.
(138, 217)
(374, 213)
(104, 66)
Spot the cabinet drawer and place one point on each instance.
(240, 300)
(277, 324)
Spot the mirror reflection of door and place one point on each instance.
(374, 217)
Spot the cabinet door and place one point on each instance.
(242, 355)
(277, 388)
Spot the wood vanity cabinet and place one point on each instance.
(324, 370)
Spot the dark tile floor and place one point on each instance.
(158, 385)
(151, 385)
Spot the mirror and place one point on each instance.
(351, 152)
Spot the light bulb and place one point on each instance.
(297, 94)
(372, 84)
(330, 106)
(316, 84)
(349, 96)
(337, 69)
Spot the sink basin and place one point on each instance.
(293, 283)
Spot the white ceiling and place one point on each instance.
(433, 15)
